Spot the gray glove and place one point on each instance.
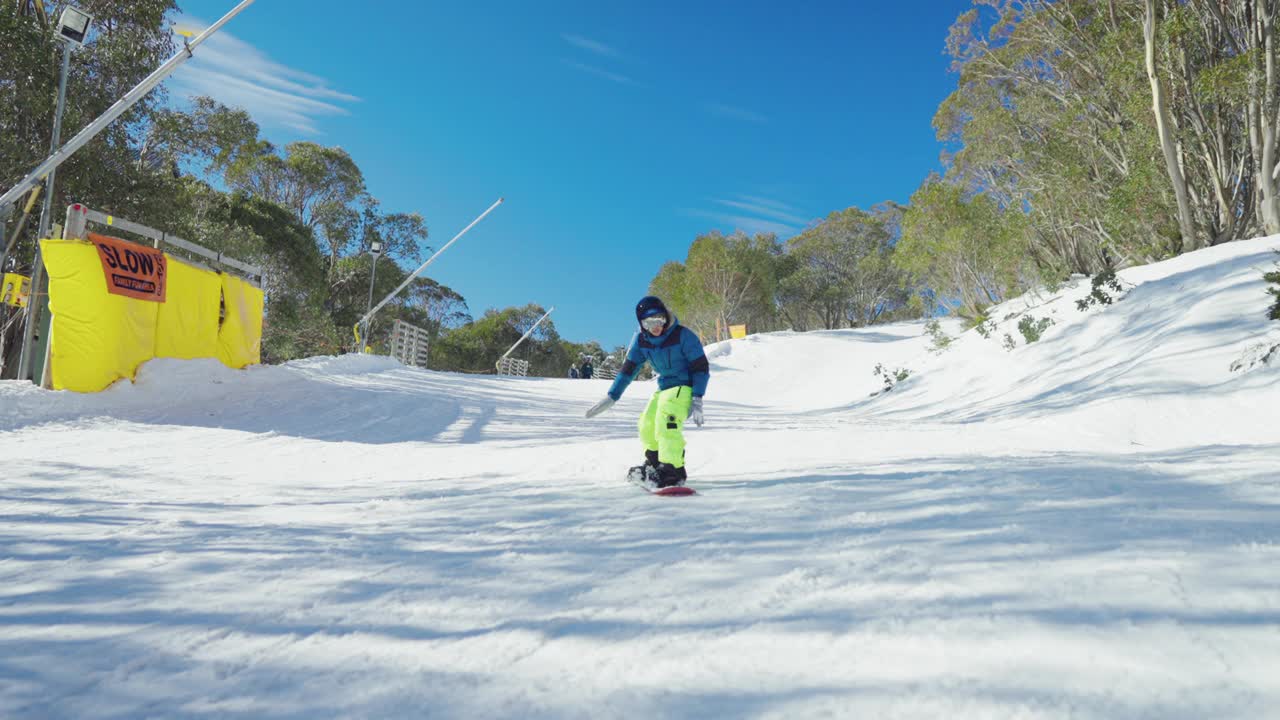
(695, 411)
(600, 407)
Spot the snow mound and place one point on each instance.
(1164, 350)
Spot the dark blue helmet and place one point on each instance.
(650, 306)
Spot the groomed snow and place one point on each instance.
(1084, 527)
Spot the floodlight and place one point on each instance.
(375, 247)
(73, 26)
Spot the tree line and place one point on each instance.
(1083, 136)
(206, 173)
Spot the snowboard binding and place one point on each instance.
(657, 474)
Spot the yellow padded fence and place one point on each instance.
(187, 322)
(99, 337)
(240, 339)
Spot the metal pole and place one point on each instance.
(76, 225)
(5, 211)
(424, 265)
(373, 272)
(527, 334)
(116, 110)
(46, 212)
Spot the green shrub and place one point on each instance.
(941, 341)
(1273, 277)
(890, 377)
(1032, 328)
(985, 326)
(1101, 283)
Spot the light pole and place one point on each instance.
(375, 249)
(46, 210)
(73, 28)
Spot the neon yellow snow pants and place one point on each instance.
(662, 423)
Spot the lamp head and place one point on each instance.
(73, 26)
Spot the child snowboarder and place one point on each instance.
(675, 353)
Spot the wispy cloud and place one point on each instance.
(238, 74)
(767, 208)
(746, 223)
(601, 72)
(767, 202)
(604, 53)
(755, 215)
(593, 46)
(734, 112)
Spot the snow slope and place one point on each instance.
(1085, 527)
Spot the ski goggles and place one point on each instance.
(655, 322)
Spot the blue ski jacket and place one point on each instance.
(676, 356)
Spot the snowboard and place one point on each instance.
(638, 479)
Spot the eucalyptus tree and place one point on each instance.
(724, 280)
(962, 249)
(843, 273)
(1125, 130)
(1213, 68)
(1052, 118)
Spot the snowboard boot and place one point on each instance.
(669, 475)
(648, 472)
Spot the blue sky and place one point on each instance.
(617, 133)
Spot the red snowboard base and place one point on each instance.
(674, 490)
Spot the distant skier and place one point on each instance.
(676, 355)
(573, 372)
(587, 371)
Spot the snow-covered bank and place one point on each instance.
(1087, 526)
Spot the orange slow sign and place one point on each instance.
(132, 270)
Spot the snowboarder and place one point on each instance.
(675, 353)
